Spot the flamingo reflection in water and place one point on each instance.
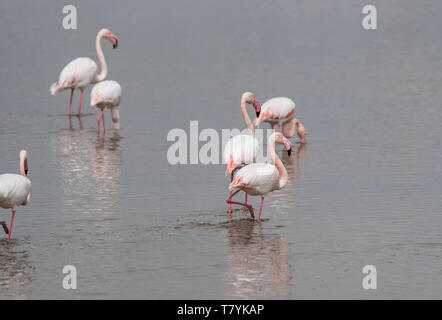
(258, 266)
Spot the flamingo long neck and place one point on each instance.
(283, 176)
(116, 118)
(22, 167)
(101, 59)
(288, 129)
(246, 117)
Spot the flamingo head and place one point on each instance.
(111, 37)
(249, 98)
(279, 138)
(24, 162)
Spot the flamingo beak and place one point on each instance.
(114, 40)
(257, 107)
(26, 168)
(287, 145)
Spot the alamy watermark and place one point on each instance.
(207, 147)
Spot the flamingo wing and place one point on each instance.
(261, 178)
(14, 190)
(277, 108)
(78, 73)
(106, 92)
(240, 150)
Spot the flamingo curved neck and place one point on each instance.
(288, 129)
(283, 176)
(116, 118)
(101, 59)
(246, 117)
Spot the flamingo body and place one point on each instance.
(277, 111)
(257, 179)
(107, 95)
(239, 151)
(14, 191)
(77, 74)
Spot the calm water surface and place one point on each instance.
(365, 190)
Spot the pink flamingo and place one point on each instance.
(288, 130)
(15, 190)
(280, 111)
(81, 72)
(263, 178)
(242, 149)
(105, 95)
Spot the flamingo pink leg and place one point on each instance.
(260, 209)
(104, 126)
(70, 102)
(230, 196)
(246, 198)
(81, 101)
(101, 116)
(247, 206)
(12, 222)
(5, 227)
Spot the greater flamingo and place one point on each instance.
(107, 95)
(15, 190)
(262, 178)
(81, 72)
(277, 111)
(242, 149)
(288, 130)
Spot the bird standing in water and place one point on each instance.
(259, 179)
(15, 190)
(81, 72)
(107, 95)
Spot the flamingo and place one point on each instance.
(105, 95)
(277, 111)
(263, 178)
(81, 72)
(15, 190)
(242, 149)
(288, 130)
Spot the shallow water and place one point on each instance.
(365, 190)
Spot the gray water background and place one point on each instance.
(365, 190)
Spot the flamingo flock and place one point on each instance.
(240, 153)
(259, 179)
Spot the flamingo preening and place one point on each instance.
(242, 149)
(15, 190)
(262, 178)
(107, 95)
(81, 72)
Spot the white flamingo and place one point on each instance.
(242, 149)
(262, 178)
(15, 190)
(280, 111)
(107, 95)
(81, 72)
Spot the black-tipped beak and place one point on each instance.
(258, 113)
(115, 46)
(26, 172)
(289, 151)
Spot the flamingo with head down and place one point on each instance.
(15, 190)
(81, 72)
(242, 149)
(259, 179)
(107, 95)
